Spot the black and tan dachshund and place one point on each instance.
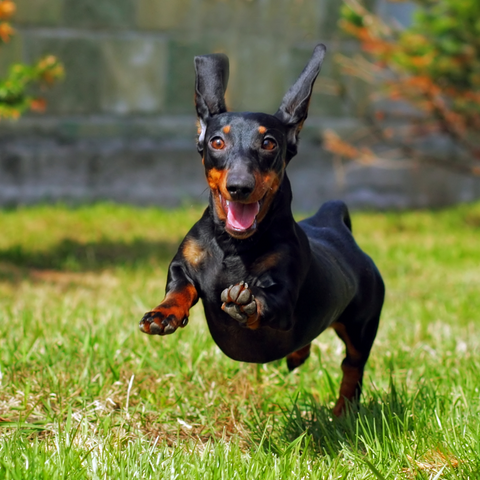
(269, 285)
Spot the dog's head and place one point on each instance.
(245, 154)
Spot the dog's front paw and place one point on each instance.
(161, 322)
(240, 304)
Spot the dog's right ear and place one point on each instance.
(211, 78)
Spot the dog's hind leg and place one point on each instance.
(358, 341)
(298, 358)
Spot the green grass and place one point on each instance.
(83, 394)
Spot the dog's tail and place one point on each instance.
(333, 212)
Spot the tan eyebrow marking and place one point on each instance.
(262, 129)
(226, 128)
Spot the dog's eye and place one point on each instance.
(269, 144)
(217, 143)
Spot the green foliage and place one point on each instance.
(433, 66)
(448, 33)
(14, 96)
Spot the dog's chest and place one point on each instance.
(221, 273)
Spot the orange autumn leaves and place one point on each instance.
(425, 81)
(7, 9)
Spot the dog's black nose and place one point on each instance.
(240, 185)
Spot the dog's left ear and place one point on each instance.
(211, 78)
(294, 108)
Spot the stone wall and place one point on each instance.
(121, 126)
(135, 57)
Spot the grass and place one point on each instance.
(84, 394)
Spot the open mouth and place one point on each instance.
(240, 217)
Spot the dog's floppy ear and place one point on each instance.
(294, 108)
(211, 78)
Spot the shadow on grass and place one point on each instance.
(70, 255)
(383, 416)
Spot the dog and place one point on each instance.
(269, 285)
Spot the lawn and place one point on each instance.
(84, 394)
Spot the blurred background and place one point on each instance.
(121, 124)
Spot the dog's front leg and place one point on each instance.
(181, 295)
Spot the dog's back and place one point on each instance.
(329, 232)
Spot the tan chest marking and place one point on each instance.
(193, 252)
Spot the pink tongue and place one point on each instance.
(241, 216)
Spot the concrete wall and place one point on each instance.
(121, 126)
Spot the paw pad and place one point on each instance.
(239, 302)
